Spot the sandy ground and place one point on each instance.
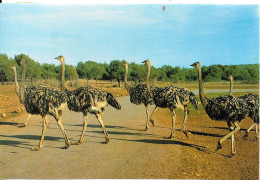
(131, 152)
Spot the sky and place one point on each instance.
(178, 35)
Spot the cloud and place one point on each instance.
(50, 15)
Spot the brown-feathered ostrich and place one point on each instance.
(172, 97)
(17, 90)
(228, 108)
(43, 101)
(141, 93)
(253, 103)
(88, 100)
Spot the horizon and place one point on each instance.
(177, 35)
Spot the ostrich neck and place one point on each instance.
(147, 78)
(127, 86)
(231, 86)
(201, 91)
(17, 88)
(62, 85)
(21, 90)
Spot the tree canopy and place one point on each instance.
(115, 71)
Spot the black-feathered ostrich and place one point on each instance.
(253, 103)
(88, 100)
(43, 101)
(228, 108)
(140, 94)
(17, 90)
(172, 97)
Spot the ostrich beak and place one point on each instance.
(144, 61)
(193, 65)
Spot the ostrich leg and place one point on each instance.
(85, 123)
(249, 129)
(173, 124)
(44, 128)
(151, 120)
(184, 121)
(147, 117)
(237, 128)
(26, 121)
(67, 143)
(103, 127)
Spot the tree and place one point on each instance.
(49, 71)
(6, 73)
(116, 70)
(70, 72)
(81, 70)
(33, 69)
(214, 73)
(137, 72)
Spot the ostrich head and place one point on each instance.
(60, 58)
(125, 64)
(147, 62)
(13, 67)
(21, 62)
(196, 65)
(230, 77)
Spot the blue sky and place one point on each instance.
(178, 36)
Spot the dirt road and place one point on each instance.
(131, 152)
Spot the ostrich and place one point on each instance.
(43, 101)
(17, 90)
(172, 97)
(228, 108)
(253, 103)
(140, 94)
(88, 100)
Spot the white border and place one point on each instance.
(220, 2)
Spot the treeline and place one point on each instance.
(115, 71)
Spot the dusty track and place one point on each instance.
(131, 153)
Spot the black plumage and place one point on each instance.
(253, 105)
(88, 100)
(140, 95)
(43, 101)
(173, 97)
(227, 108)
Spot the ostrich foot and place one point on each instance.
(21, 125)
(146, 128)
(233, 153)
(36, 148)
(218, 147)
(186, 133)
(107, 141)
(152, 121)
(245, 135)
(230, 156)
(171, 136)
(66, 146)
(76, 143)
